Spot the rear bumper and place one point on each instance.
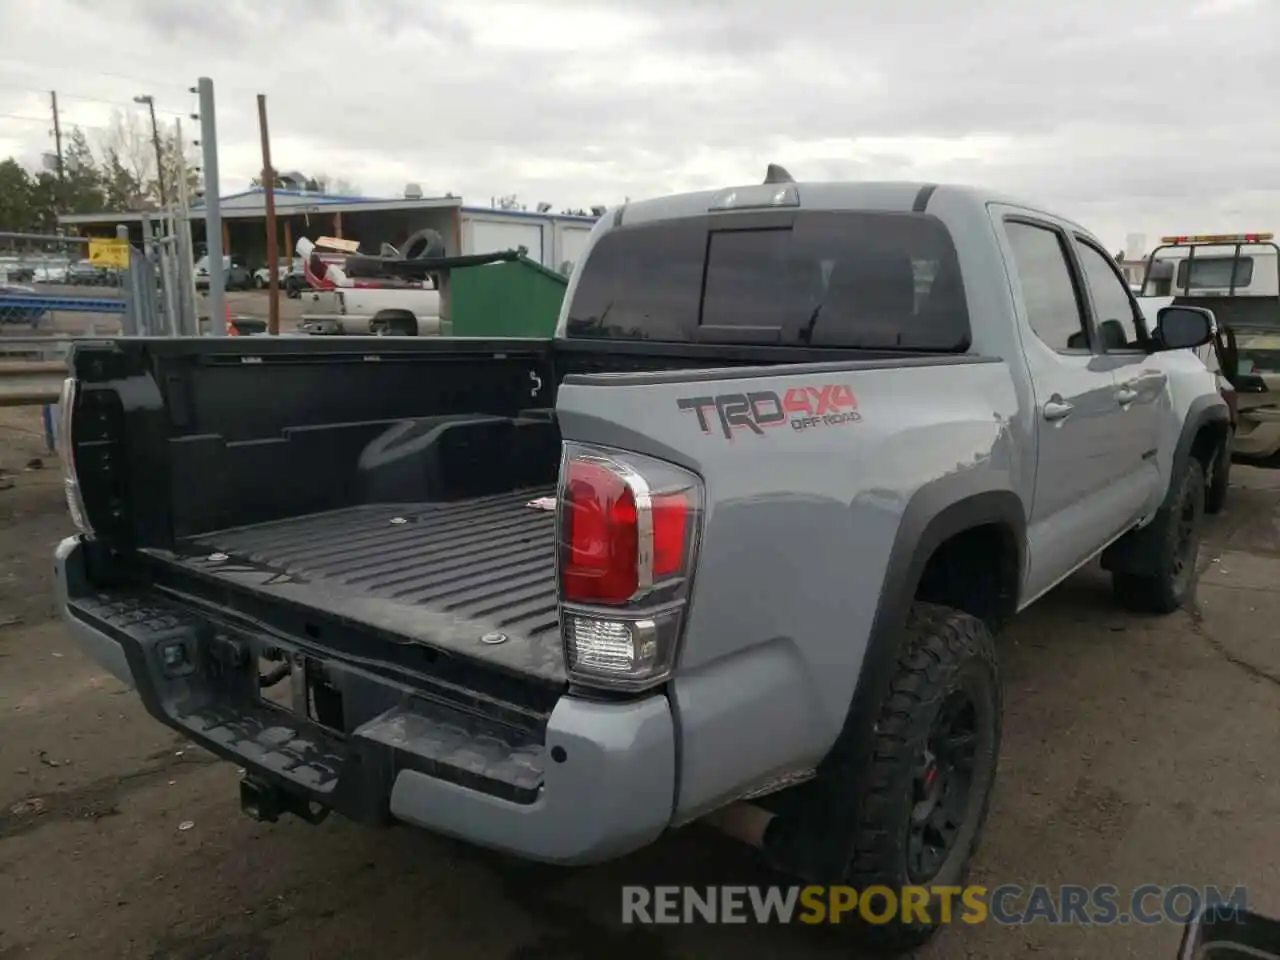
(597, 782)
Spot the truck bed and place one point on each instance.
(473, 577)
(285, 460)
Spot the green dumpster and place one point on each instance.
(509, 298)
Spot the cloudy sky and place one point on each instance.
(1145, 116)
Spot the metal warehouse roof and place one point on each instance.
(252, 203)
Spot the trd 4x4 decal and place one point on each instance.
(803, 407)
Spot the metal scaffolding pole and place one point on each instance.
(212, 209)
(190, 322)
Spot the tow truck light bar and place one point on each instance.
(1219, 238)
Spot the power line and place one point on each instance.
(15, 116)
(64, 68)
(80, 96)
(45, 121)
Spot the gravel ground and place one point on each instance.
(1136, 750)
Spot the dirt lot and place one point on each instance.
(1136, 751)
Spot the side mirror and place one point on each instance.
(1230, 935)
(1183, 328)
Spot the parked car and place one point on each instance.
(284, 270)
(87, 273)
(732, 544)
(235, 275)
(16, 272)
(52, 271)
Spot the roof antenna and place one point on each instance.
(778, 174)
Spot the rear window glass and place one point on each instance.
(873, 280)
(1213, 273)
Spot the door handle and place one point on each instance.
(1126, 395)
(1057, 410)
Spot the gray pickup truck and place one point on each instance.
(730, 546)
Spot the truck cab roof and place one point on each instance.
(861, 265)
(902, 196)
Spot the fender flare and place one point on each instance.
(1202, 412)
(1132, 552)
(936, 512)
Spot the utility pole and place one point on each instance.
(269, 191)
(150, 101)
(212, 209)
(57, 141)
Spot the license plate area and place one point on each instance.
(299, 685)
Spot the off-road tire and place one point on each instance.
(1173, 550)
(1215, 493)
(944, 651)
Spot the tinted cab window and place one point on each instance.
(1044, 273)
(872, 280)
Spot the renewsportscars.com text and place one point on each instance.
(1008, 904)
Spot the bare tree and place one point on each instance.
(178, 156)
(128, 162)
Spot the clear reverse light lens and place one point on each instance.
(611, 647)
(631, 654)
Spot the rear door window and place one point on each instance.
(1048, 290)
(1212, 273)
(859, 279)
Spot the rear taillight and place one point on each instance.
(628, 534)
(66, 453)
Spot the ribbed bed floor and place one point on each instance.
(489, 560)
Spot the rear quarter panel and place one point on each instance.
(801, 521)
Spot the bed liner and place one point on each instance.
(473, 577)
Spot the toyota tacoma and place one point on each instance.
(730, 547)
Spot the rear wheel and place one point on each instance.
(394, 323)
(1174, 537)
(933, 768)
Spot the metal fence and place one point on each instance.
(49, 285)
(52, 293)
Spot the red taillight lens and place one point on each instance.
(670, 530)
(629, 526)
(600, 563)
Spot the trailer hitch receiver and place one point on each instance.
(265, 802)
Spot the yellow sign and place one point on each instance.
(109, 253)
